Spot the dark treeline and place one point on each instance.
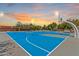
(52, 27)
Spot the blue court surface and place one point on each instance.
(36, 44)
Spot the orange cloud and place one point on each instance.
(38, 15)
(27, 18)
(40, 21)
(22, 17)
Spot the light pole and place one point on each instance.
(1, 14)
(57, 15)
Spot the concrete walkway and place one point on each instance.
(70, 47)
(9, 47)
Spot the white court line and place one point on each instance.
(49, 52)
(29, 43)
(57, 46)
(18, 44)
(37, 46)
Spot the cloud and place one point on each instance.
(39, 7)
(27, 18)
(38, 15)
(43, 16)
(21, 17)
(69, 10)
(10, 4)
(34, 7)
(73, 5)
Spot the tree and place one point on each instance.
(52, 26)
(19, 25)
(76, 22)
(44, 27)
(64, 26)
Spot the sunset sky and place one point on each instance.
(36, 13)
